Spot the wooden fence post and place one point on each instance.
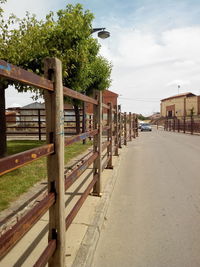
(136, 122)
(84, 122)
(97, 141)
(184, 128)
(120, 126)
(178, 122)
(110, 137)
(125, 129)
(116, 132)
(55, 162)
(39, 124)
(90, 125)
(130, 126)
(165, 125)
(192, 128)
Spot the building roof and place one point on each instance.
(35, 105)
(109, 93)
(188, 94)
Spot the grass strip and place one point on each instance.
(17, 182)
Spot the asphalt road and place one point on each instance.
(154, 215)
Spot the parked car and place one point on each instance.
(140, 124)
(146, 127)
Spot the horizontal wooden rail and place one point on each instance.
(25, 127)
(71, 127)
(13, 162)
(71, 93)
(15, 73)
(43, 133)
(105, 106)
(27, 115)
(26, 133)
(105, 145)
(47, 254)
(12, 236)
(42, 115)
(113, 148)
(72, 177)
(19, 122)
(104, 156)
(105, 163)
(36, 109)
(25, 109)
(72, 115)
(41, 127)
(79, 203)
(69, 141)
(82, 159)
(105, 128)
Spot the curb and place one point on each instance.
(88, 245)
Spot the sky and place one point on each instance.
(154, 47)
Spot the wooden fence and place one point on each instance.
(108, 135)
(187, 124)
(25, 122)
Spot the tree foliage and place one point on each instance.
(65, 35)
(1, 9)
(68, 37)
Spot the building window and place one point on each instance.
(170, 113)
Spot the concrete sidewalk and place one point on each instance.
(82, 235)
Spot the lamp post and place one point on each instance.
(178, 89)
(101, 32)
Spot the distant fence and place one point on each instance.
(32, 122)
(109, 134)
(187, 124)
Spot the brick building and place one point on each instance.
(108, 97)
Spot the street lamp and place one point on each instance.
(178, 88)
(101, 33)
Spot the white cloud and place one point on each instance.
(14, 98)
(178, 83)
(143, 66)
(150, 57)
(19, 8)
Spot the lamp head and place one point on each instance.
(103, 34)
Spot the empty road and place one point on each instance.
(154, 215)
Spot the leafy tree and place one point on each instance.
(68, 38)
(141, 117)
(1, 9)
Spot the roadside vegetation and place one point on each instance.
(66, 35)
(17, 182)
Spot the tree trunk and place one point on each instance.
(3, 146)
(77, 117)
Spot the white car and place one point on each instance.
(146, 127)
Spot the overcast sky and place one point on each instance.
(154, 47)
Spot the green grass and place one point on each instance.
(13, 184)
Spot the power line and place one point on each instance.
(140, 99)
